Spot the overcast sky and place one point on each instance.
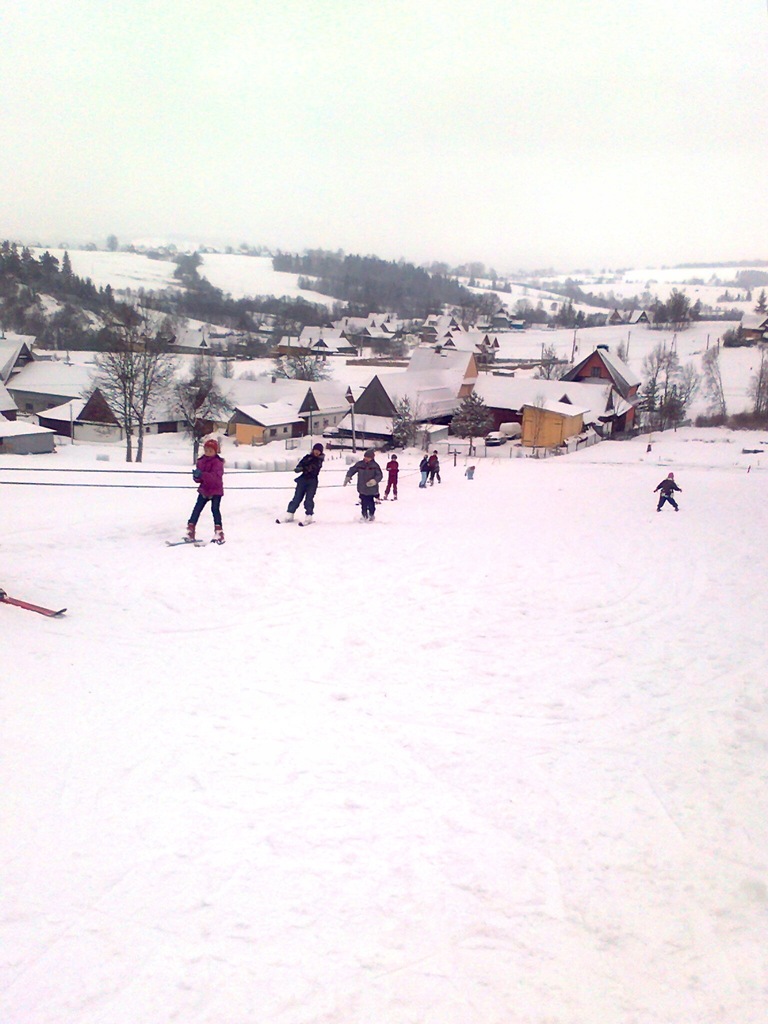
(521, 135)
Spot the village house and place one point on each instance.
(434, 384)
(507, 398)
(92, 419)
(600, 366)
(44, 384)
(15, 353)
(260, 424)
(754, 328)
(8, 408)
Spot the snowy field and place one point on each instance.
(496, 758)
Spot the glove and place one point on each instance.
(346, 482)
(197, 476)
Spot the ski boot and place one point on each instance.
(218, 535)
(190, 537)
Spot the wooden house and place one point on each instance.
(551, 424)
(600, 367)
(260, 424)
(754, 328)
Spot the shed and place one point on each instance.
(548, 425)
(20, 438)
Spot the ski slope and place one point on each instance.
(497, 757)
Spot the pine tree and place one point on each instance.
(404, 425)
(472, 419)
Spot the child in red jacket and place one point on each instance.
(393, 468)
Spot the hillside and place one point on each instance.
(462, 765)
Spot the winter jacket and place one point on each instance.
(310, 466)
(211, 475)
(368, 476)
(434, 464)
(424, 465)
(393, 468)
(666, 487)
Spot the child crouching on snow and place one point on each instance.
(209, 473)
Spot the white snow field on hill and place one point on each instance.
(497, 758)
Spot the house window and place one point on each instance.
(273, 432)
(595, 371)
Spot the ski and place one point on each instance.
(191, 543)
(50, 612)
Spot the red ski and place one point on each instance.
(5, 599)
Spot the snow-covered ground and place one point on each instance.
(497, 757)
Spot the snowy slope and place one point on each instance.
(499, 756)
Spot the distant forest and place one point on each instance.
(368, 284)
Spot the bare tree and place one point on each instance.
(713, 382)
(199, 400)
(550, 368)
(132, 375)
(669, 387)
(758, 389)
(301, 366)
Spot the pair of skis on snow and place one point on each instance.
(50, 612)
(190, 543)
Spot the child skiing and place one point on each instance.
(308, 469)
(209, 473)
(393, 468)
(369, 474)
(667, 487)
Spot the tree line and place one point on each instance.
(372, 285)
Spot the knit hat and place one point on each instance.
(671, 476)
(211, 442)
(370, 454)
(317, 447)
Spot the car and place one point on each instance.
(495, 438)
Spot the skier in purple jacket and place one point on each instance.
(209, 473)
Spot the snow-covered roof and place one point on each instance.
(366, 424)
(426, 357)
(430, 392)
(271, 414)
(72, 409)
(68, 380)
(10, 346)
(515, 392)
(19, 428)
(754, 321)
(7, 404)
(561, 408)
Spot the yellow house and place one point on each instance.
(549, 424)
(260, 424)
